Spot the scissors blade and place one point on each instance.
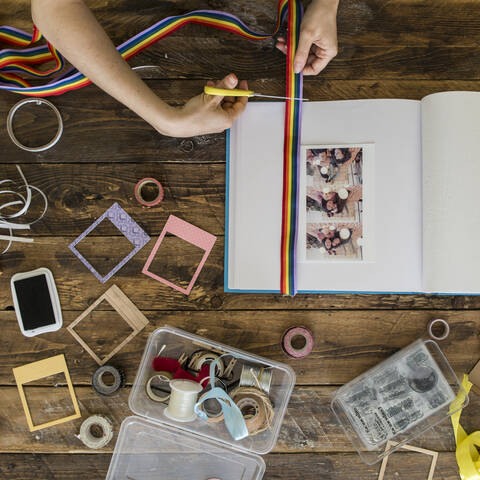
(281, 98)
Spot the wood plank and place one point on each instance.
(346, 343)
(78, 288)
(309, 425)
(98, 129)
(80, 193)
(336, 466)
(372, 22)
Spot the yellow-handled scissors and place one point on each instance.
(236, 92)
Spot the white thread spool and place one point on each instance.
(182, 400)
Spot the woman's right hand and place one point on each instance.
(205, 114)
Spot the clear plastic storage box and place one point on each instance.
(151, 446)
(398, 399)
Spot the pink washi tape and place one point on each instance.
(139, 196)
(290, 334)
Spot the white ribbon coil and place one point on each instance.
(23, 202)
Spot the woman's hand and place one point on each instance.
(210, 113)
(318, 38)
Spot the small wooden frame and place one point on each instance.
(391, 444)
(36, 371)
(125, 308)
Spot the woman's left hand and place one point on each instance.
(318, 38)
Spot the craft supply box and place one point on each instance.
(150, 442)
(399, 399)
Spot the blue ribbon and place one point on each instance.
(232, 415)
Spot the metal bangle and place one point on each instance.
(37, 101)
(446, 329)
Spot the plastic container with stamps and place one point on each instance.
(398, 399)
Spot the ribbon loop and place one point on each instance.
(232, 415)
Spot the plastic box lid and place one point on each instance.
(399, 399)
(179, 341)
(146, 450)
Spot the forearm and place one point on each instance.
(72, 29)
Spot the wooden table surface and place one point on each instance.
(392, 49)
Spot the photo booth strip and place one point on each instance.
(391, 444)
(125, 308)
(127, 226)
(191, 234)
(36, 371)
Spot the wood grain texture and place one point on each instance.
(370, 22)
(388, 49)
(335, 466)
(78, 288)
(97, 129)
(309, 424)
(346, 342)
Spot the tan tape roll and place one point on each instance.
(160, 397)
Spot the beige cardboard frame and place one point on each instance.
(391, 444)
(125, 308)
(36, 371)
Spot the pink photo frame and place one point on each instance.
(191, 234)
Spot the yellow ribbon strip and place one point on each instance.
(466, 453)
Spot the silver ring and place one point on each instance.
(445, 326)
(37, 101)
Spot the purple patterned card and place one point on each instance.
(127, 226)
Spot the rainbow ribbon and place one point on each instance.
(15, 64)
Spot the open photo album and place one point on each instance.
(389, 196)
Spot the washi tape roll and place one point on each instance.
(98, 380)
(139, 194)
(90, 440)
(158, 387)
(288, 337)
(445, 330)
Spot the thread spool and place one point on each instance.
(158, 387)
(212, 406)
(89, 439)
(258, 377)
(445, 329)
(182, 400)
(140, 194)
(292, 351)
(256, 408)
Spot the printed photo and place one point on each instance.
(329, 166)
(330, 242)
(334, 203)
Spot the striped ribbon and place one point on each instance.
(15, 64)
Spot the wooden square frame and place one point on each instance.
(125, 308)
(36, 371)
(391, 444)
